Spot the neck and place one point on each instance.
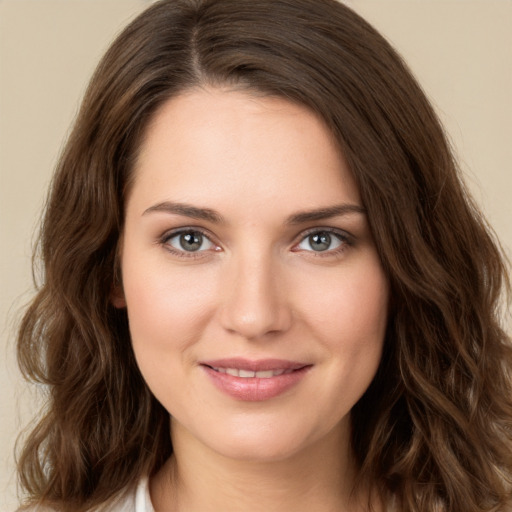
(321, 477)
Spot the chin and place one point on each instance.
(263, 442)
(259, 453)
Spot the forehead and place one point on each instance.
(214, 144)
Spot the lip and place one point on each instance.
(253, 389)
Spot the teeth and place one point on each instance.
(265, 374)
(247, 374)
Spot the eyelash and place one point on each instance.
(346, 240)
(166, 237)
(343, 237)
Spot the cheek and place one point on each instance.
(349, 318)
(167, 314)
(166, 311)
(350, 306)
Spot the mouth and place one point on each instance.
(249, 374)
(248, 380)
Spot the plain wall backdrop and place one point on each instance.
(460, 50)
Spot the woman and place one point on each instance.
(265, 286)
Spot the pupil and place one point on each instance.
(191, 241)
(320, 241)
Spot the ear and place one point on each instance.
(117, 297)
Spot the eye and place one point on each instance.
(189, 241)
(322, 241)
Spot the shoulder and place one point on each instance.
(135, 500)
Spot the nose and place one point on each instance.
(255, 305)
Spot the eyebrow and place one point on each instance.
(186, 210)
(210, 215)
(324, 213)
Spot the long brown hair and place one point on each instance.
(434, 429)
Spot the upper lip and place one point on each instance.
(254, 365)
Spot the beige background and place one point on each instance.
(461, 51)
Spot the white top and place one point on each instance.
(142, 499)
(137, 501)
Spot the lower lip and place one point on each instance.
(254, 389)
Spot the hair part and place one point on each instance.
(434, 428)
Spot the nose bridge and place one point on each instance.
(255, 305)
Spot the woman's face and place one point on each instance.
(256, 299)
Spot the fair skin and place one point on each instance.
(246, 249)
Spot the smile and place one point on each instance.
(252, 381)
(248, 374)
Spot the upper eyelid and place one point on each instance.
(170, 233)
(324, 229)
